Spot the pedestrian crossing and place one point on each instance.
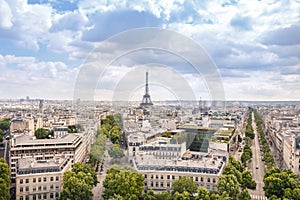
(258, 197)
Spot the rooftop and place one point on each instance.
(29, 140)
(31, 166)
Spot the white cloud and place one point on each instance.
(243, 38)
(5, 15)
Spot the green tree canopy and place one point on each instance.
(41, 133)
(184, 183)
(4, 180)
(203, 194)
(229, 184)
(230, 169)
(277, 183)
(116, 151)
(78, 183)
(4, 124)
(1, 135)
(125, 182)
(247, 181)
(245, 195)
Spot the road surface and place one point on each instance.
(257, 166)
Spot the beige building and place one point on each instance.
(160, 173)
(22, 125)
(291, 152)
(40, 179)
(24, 146)
(163, 160)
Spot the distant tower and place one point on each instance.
(200, 106)
(146, 98)
(41, 105)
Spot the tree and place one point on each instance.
(277, 183)
(292, 194)
(229, 184)
(125, 182)
(4, 124)
(76, 189)
(203, 194)
(78, 183)
(237, 164)
(247, 181)
(149, 195)
(181, 196)
(116, 151)
(230, 169)
(1, 135)
(245, 195)
(184, 183)
(98, 149)
(41, 133)
(4, 180)
(165, 195)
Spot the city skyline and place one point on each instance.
(254, 46)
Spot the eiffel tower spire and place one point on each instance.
(146, 98)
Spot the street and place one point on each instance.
(257, 166)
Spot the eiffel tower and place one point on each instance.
(146, 98)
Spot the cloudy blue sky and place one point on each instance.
(255, 45)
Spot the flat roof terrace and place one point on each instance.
(204, 165)
(28, 141)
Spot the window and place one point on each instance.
(45, 188)
(161, 184)
(161, 177)
(21, 189)
(214, 180)
(45, 179)
(196, 179)
(21, 181)
(40, 188)
(40, 179)
(34, 189)
(201, 179)
(168, 184)
(34, 180)
(156, 184)
(21, 198)
(145, 184)
(168, 176)
(27, 188)
(45, 195)
(27, 180)
(51, 179)
(56, 194)
(57, 178)
(57, 187)
(173, 177)
(51, 187)
(34, 197)
(27, 197)
(208, 180)
(51, 195)
(156, 176)
(145, 176)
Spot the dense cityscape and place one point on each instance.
(149, 100)
(162, 150)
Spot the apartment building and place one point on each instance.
(204, 169)
(21, 125)
(40, 179)
(164, 160)
(25, 146)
